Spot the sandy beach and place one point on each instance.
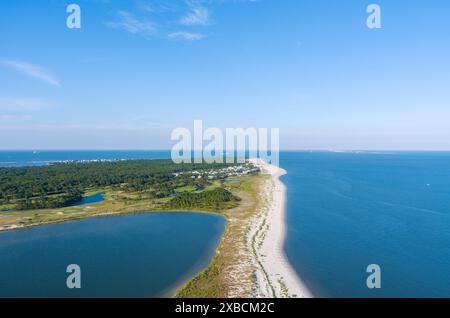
(275, 276)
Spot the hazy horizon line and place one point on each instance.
(281, 150)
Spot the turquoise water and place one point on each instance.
(96, 198)
(142, 255)
(348, 210)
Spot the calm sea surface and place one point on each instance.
(345, 211)
(349, 210)
(142, 255)
(39, 158)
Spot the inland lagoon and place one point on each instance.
(141, 255)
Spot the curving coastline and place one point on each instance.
(275, 277)
(249, 262)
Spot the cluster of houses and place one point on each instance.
(222, 173)
(85, 161)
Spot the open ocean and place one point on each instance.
(39, 158)
(346, 211)
(349, 210)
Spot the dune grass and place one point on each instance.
(216, 281)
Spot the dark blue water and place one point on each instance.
(99, 197)
(346, 211)
(39, 158)
(143, 255)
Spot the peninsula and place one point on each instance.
(249, 262)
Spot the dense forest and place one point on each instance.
(59, 184)
(44, 202)
(215, 199)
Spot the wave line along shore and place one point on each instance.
(274, 275)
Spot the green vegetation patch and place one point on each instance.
(56, 185)
(217, 199)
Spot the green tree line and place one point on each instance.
(214, 199)
(58, 184)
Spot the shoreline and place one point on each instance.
(275, 277)
(250, 255)
(106, 215)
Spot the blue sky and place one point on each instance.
(138, 69)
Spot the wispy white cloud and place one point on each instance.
(157, 17)
(188, 36)
(131, 24)
(197, 16)
(23, 104)
(148, 8)
(31, 70)
(159, 6)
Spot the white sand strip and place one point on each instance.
(275, 275)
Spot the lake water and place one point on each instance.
(91, 199)
(142, 255)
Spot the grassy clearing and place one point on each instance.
(6, 206)
(188, 188)
(115, 203)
